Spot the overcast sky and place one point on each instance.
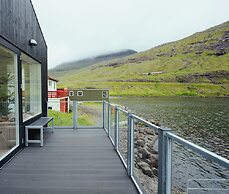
(75, 29)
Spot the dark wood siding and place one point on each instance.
(18, 24)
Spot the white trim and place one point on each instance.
(8, 152)
(17, 103)
(79, 93)
(106, 94)
(71, 93)
(30, 117)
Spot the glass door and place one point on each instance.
(9, 114)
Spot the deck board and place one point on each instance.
(71, 161)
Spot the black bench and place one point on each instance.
(38, 124)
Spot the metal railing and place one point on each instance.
(73, 115)
(165, 141)
(127, 133)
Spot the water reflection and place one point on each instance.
(203, 121)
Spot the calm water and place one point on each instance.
(204, 121)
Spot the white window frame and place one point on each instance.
(79, 93)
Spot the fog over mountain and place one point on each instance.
(73, 65)
(79, 29)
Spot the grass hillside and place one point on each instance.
(194, 66)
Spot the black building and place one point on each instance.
(23, 74)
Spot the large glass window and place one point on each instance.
(9, 122)
(31, 87)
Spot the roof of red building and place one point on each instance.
(50, 78)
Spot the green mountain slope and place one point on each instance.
(197, 65)
(75, 65)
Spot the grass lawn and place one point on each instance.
(158, 88)
(65, 119)
(89, 114)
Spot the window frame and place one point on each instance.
(5, 44)
(41, 88)
(80, 93)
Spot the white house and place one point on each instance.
(52, 84)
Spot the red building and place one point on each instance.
(57, 98)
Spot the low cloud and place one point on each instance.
(75, 29)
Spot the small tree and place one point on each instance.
(6, 95)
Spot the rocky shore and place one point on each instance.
(145, 155)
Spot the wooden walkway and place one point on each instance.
(81, 161)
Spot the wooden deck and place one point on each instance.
(71, 161)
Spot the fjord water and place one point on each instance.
(204, 121)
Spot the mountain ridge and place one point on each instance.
(78, 64)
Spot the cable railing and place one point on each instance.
(147, 150)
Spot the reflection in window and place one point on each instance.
(31, 87)
(9, 124)
(50, 83)
(54, 86)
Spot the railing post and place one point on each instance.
(75, 115)
(130, 143)
(116, 128)
(169, 165)
(109, 119)
(164, 162)
(104, 114)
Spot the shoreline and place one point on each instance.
(129, 96)
(156, 89)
